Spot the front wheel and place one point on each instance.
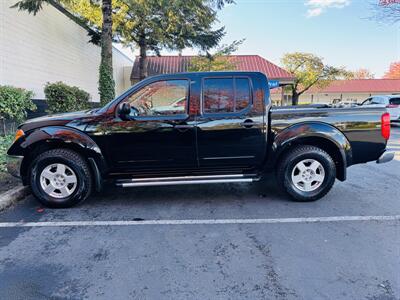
(306, 173)
(60, 178)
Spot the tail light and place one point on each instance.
(392, 106)
(385, 126)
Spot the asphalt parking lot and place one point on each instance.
(228, 241)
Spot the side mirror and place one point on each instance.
(124, 109)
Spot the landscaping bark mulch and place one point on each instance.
(7, 182)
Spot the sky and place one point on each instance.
(342, 32)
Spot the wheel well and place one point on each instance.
(328, 146)
(34, 150)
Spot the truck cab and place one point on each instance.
(218, 124)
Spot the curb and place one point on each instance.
(13, 196)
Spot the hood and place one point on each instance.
(56, 120)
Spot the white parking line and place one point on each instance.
(199, 222)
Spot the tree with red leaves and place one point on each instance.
(394, 71)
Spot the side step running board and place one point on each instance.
(185, 180)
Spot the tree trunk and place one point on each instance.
(106, 80)
(106, 34)
(142, 60)
(295, 97)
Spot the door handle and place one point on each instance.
(248, 123)
(183, 126)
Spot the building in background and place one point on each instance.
(251, 63)
(355, 90)
(51, 47)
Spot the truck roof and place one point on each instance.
(210, 74)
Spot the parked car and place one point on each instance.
(391, 102)
(340, 104)
(227, 132)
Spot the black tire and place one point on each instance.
(288, 163)
(72, 160)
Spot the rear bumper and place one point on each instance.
(14, 165)
(385, 157)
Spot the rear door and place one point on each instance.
(230, 127)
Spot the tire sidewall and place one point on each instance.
(46, 199)
(330, 175)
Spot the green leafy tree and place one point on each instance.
(218, 61)
(15, 102)
(32, 6)
(309, 70)
(153, 25)
(147, 24)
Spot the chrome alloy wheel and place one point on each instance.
(58, 180)
(308, 175)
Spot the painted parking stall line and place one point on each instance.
(200, 222)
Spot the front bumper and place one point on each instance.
(385, 157)
(14, 165)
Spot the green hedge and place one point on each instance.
(14, 103)
(5, 143)
(64, 98)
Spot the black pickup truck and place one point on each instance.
(196, 128)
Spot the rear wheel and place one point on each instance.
(306, 173)
(60, 178)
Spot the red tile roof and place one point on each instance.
(361, 86)
(176, 64)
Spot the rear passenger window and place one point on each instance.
(226, 95)
(218, 95)
(394, 101)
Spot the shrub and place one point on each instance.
(14, 103)
(5, 143)
(64, 98)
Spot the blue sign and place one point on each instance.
(273, 84)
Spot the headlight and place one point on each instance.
(19, 134)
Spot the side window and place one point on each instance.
(377, 100)
(226, 95)
(161, 98)
(394, 101)
(218, 95)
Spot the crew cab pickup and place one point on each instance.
(196, 128)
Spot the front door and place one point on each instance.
(230, 128)
(159, 133)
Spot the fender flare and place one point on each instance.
(71, 138)
(299, 133)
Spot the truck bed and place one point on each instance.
(360, 125)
